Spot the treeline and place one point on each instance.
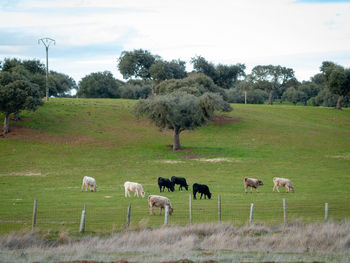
(147, 74)
(23, 85)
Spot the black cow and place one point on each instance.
(181, 181)
(202, 189)
(165, 182)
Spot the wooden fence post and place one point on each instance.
(166, 216)
(34, 214)
(128, 216)
(251, 213)
(219, 208)
(82, 220)
(326, 210)
(190, 208)
(284, 210)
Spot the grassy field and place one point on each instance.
(47, 154)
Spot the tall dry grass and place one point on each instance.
(175, 242)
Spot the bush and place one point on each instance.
(136, 89)
(254, 96)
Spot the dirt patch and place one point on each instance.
(170, 147)
(222, 119)
(35, 134)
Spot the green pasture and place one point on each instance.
(50, 150)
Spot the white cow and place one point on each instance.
(283, 182)
(159, 201)
(89, 181)
(133, 187)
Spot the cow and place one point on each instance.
(133, 187)
(89, 181)
(283, 182)
(165, 182)
(202, 189)
(159, 201)
(181, 181)
(253, 183)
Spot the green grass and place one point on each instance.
(50, 150)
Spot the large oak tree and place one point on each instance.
(337, 80)
(17, 94)
(179, 111)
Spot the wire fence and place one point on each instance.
(109, 218)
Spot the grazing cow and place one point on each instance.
(165, 182)
(253, 183)
(89, 181)
(181, 181)
(283, 182)
(202, 189)
(159, 201)
(133, 187)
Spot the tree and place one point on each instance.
(98, 85)
(163, 70)
(223, 75)
(337, 80)
(293, 95)
(135, 89)
(227, 75)
(179, 111)
(30, 70)
(310, 89)
(60, 84)
(136, 63)
(274, 79)
(195, 84)
(16, 95)
(201, 65)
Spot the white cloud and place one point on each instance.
(253, 32)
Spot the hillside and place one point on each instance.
(47, 154)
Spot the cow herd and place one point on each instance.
(161, 202)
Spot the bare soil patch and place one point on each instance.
(35, 134)
(222, 119)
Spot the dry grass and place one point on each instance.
(198, 242)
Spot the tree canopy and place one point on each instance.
(17, 94)
(60, 84)
(223, 75)
(273, 79)
(162, 70)
(337, 79)
(136, 64)
(98, 85)
(34, 72)
(179, 111)
(195, 84)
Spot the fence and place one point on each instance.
(92, 218)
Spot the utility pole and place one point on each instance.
(47, 42)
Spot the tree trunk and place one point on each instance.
(176, 144)
(16, 116)
(270, 98)
(6, 123)
(340, 99)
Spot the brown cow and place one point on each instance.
(253, 183)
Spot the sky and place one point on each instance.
(91, 34)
